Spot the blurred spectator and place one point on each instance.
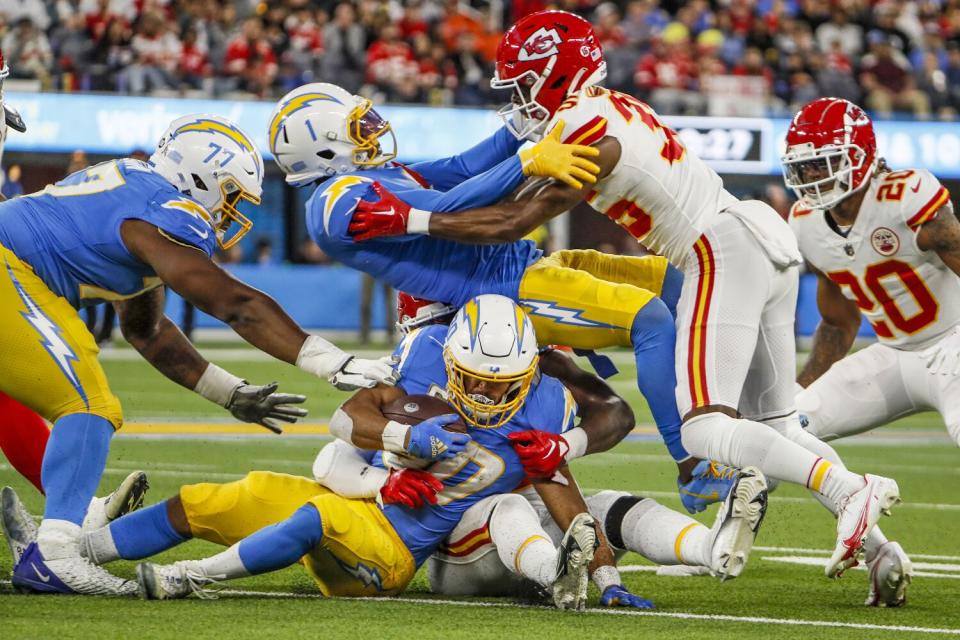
(668, 74)
(473, 73)
(887, 81)
(263, 252)
(193, 68)
(156, 52)
(78, 161)
(840, 31)
(11, 184)
(33, 10)
(250, 59)
(28, 52)
(344, 57)
(390, 63)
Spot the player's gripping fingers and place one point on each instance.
(272, 425)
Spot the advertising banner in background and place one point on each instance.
(108, 125)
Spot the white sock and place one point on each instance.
(522, 544)
(226, 565)
(741, 443)
(656, 532)
(58, 539)
(875, 540)
(98, 546)
(846, 481)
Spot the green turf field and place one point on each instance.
(783, 593)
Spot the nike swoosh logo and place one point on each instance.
(387, 212)
(39, 575)
(202, 234)
(916, 188)
(712, 496)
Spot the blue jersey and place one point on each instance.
(70, 232)
(422, 266)
(492, 466)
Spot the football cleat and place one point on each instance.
(124, 499)
(858, 514)
(19, 527)
(574, 557)
(711, 483)
(890, 574)
(66, 575)
(738, 521)
(172, 581)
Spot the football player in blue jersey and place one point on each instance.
(115, 232)
(322, 135)
(486, 365)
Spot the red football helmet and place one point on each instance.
(544, 58)
(831, 152)
(415, 312)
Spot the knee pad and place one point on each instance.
(511, 506)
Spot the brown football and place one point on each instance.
(416, 409)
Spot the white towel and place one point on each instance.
(770, 230)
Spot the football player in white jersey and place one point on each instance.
(885, 244)
(735, 356)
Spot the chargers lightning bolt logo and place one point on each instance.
(561, 315)
(332, 194)
(52, 341)
(366, 575)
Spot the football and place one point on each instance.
(415, 409)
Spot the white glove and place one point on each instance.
(359, 373)
(342, 370)
(944, 357)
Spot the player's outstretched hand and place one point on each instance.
(943, 358)
(430, 441)
(617, 596)
(410, 487)
(261, 404)
(567, 163)
(541, 453)
(360, 373)
(386, 216)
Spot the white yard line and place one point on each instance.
(827, 552)
(607, 612)
(815, 561)
(624, 612)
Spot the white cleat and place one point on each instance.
(738, 521)
(575, 555)
(124, 499)
(172, 581)
(19, 527)
(890, 574)
(858, 515)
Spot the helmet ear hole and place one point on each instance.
(327, 154)
(198, 183)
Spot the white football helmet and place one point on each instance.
(320, 130)
(490, 339)
(213, 161)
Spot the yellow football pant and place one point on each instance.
(586, 299)
(49, 359)
(360, 553)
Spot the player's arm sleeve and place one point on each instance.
(447, 173)
(348, 471)
(926, 197)
(479, 191)
(330, 211)
(179, 226)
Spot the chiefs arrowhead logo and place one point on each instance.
(885, 241)
(541, 44)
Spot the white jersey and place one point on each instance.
(908, 295)
(662, 194)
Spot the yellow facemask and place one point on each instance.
(480, 414)
(232, 194)
(365, 127)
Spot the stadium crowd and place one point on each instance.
(892, 56)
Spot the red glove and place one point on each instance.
(385, 217)
(411, 488)
(541, 453)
